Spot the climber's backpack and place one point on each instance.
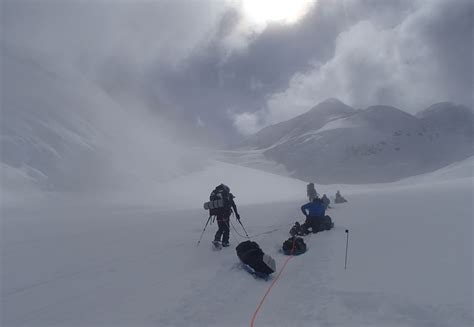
(219, 200)
(294, 246)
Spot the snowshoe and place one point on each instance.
(225, 244)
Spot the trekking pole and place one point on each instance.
(347, 246)
(247, 235)
(243, 229)
(207, 222)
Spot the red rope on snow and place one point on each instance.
(273, 283)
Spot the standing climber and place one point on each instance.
(311, 192)
(326, 201)
(222, 212)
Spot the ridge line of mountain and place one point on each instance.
(335, 143)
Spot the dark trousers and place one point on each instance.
(223, 224)
(317, 224)
(314, 223)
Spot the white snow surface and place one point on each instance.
(250, 186)
(336, 124)
(458, 170)
(409, 259)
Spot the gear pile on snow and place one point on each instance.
(296, 230)
(294, 246)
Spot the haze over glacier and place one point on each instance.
(119, 118)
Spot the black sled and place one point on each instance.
(254, 260)
(255, 274)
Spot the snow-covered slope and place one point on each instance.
(251, 158)
(315, 118)
(377, 144)
(458, 170)
(409, 259)
(447, 116)
(191, 190)
(60, 132)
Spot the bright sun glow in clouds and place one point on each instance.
(282, 11)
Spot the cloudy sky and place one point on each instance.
(232, 67)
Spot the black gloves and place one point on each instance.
(237, 216)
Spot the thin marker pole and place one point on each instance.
(347, 246)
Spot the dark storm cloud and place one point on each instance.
(214, 83)
(414, 57)
(394, 47)
(139, 30)
(117, 44)
(448, 29)
(201, 61)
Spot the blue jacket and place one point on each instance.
(314, 209)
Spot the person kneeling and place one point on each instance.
(316, 218)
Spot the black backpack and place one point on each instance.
(299, 246)
(219, 201)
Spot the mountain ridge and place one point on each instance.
(335, 143)
(267, 136)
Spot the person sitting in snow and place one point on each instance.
(339, 198)
(316, 218)
(311, 192)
